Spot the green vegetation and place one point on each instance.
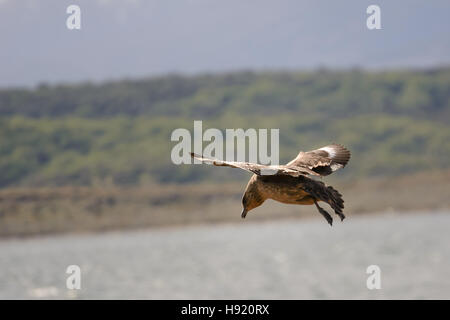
(119, 133)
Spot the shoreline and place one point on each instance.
(28, 212)
(262, 222)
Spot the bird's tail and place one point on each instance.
(329, 195)
(334, 199)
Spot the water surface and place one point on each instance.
(296, 259)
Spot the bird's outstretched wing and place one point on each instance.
(323, 161)
(258, 169)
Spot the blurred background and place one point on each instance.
(86, 176)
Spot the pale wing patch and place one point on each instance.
(331, 152)
(336, 166)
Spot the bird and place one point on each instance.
(293, 183)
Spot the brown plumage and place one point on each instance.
(290, 183)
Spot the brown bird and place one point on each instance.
(290, 183)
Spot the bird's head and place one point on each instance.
(251, 198)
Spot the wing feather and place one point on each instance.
(323, 161)
(258, 169)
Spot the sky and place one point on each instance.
(143, 38)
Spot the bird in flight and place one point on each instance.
(291, 183)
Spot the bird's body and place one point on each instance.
(285, 189)
(290, 183)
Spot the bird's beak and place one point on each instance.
(244, 213)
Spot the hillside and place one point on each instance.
(118, 133)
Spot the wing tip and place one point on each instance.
(342, 155)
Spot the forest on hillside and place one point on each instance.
(395, 122)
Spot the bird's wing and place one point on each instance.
(258, 169)
(323, 161)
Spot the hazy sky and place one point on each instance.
(137, 38)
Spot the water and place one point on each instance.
(275, 260)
